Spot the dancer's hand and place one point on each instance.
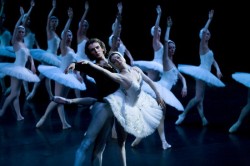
(70, 67)
(161, 102)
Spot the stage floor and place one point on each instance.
(22, 144)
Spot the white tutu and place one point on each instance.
(56, 74)
(149, 65)
(45, 57)
(165, 93)
(18, 72)
(242, 77)
(7, 51)
(201, 73)
(169, 78)
(2, 75)
(140, 119)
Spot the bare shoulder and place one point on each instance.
(136, 68)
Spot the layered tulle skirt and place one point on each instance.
(70, 80)
(242, 77)
(149, 65)
(202, 74)
(7, 51)
(2, 75)
(140, 119)
(168, 97)
(19, 72)
(45, 57)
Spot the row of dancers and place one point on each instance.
(135, 100)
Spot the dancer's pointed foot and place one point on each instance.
(61, 100)
(234, 127)
(20, 117)
(165, 145)
(40, 122)
(180, 119)
(66, 126)
(27, 93)
(136, 142)
(30, 96)
(204, 121)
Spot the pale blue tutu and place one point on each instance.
(45, 57)
(56, 74)
(149, 65)
(18, 72)
(201, 73)
(242, 77)
(7, 51)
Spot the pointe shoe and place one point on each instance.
(66, 126)
(204, 121)
(136, 142)
(180, 119)
(40, 122)
(19, 118)
(165, 145)
(30, 96)
(61, 100)
(234, 127)
(27, 93)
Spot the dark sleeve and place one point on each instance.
(80, 67)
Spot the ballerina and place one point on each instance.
(17, 70)
(154, 67)
(49, 56)
(63, 82)
(168, 80)
(202, 74)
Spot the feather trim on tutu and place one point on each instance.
(140, 119)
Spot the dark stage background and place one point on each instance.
(229, 29)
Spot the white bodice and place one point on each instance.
(67, 59)
(29, 40)
(207, 60)
(158, 55)
(53, 45)
(22, 56)
(169, 78)
(133, 92)
(81, 49)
